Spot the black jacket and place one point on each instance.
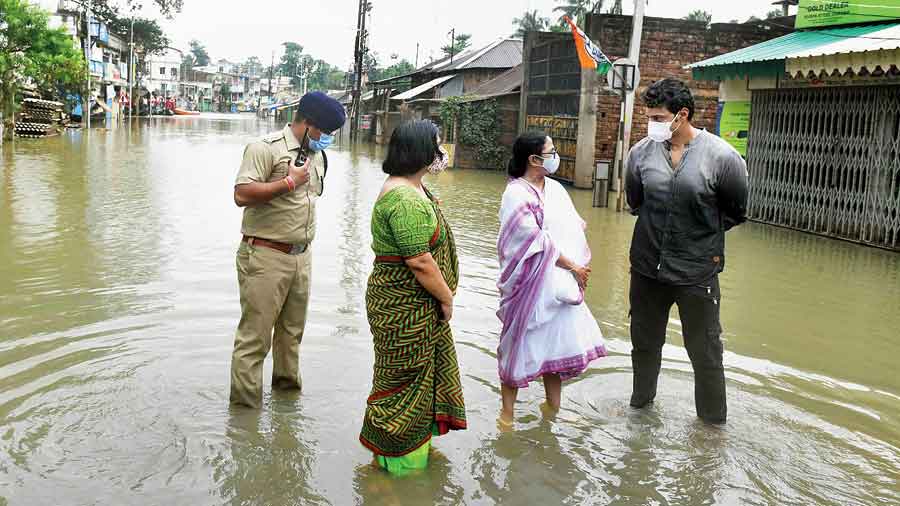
(683, 214)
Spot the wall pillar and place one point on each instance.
(587, 130)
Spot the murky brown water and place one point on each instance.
(118, 303)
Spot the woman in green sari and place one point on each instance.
(416, 390)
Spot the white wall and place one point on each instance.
(739, 90)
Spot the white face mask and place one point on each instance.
(551, 165)
(661, 132)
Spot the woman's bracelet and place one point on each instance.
(289, 181)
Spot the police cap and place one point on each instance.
(322, 111)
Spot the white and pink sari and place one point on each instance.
(547, 328)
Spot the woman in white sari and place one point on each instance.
(548, 331)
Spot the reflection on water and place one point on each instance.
(119, 302)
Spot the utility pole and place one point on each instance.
(131, 70)
(634, 53)
(358, 56)
(271, 71)
(452, 43)
(89, 101)
(417, 55)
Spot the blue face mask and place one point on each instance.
(324, 142)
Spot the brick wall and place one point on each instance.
(667, 46)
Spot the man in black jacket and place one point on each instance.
(687, 187)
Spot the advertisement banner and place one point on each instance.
(818, 13)
(734, 124)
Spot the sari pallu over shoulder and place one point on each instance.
(527, 256)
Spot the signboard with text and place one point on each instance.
(818, 13)
(734, 124)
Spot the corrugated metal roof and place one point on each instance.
(506, 54)
(422, 88)
(886, 37)
(809, 43)
(504, 83)
(502, 53)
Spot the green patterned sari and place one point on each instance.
(416, 389)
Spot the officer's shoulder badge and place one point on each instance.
(273, 137)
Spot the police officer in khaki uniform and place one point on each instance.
(278, 193)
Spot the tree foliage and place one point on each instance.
(460, 43)
(108, 10)
(291, 61)
(31, 52)
(377, 72)
(616, 7)
(530, 22)
(149, 38)
(198, 51)
(252, 66)
(300, 67)
(700, 16)
(576, 10)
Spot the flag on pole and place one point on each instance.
(589, 54)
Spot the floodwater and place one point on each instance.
(119, 300)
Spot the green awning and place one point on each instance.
(767, 59)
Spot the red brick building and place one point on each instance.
(552, 82)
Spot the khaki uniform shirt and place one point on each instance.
(291, 217)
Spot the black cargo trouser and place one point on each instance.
(699, 310)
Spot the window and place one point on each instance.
(162, 71)
(174, 72)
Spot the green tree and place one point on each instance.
(530, 22)
(187, 64)
(149, 38)
(400, 68)
(323, 76)
(31, 52)
(576, 10)
(291, 62)
(198, 51)
(616, 8)
(462, 41)
(699, 16)
(108, 10)
(252, 66)
(225, 97)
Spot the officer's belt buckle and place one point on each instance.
(298, 249)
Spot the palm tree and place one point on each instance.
(530, 22)
(576, 9)
(616, 7)
(700, 16)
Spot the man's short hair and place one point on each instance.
(670, 93)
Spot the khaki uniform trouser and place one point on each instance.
(274, 289)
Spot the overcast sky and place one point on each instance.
(326, 28)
